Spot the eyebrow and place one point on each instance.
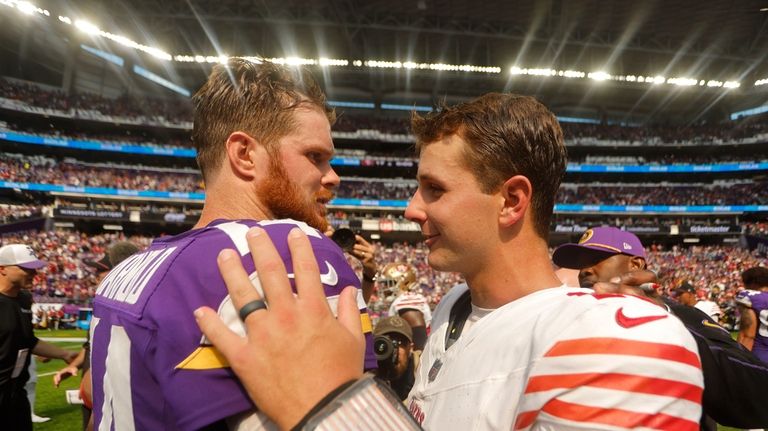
(426, 177)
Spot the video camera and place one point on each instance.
(344, 238)
(385, 349)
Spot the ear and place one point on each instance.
(244, 154)
(637, 262)
(516, 193)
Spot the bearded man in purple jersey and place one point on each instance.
(263, 140)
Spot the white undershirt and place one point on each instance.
(475, 316)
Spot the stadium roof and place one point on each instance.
(721, 40)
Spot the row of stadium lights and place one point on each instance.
(89, 28)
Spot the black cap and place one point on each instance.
(685, 287)
(116, 253)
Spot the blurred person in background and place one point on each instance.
(685, 294)
(611, 260)
(708, 306)
(398, 286)
(394, 348)
(18, 265)
(357, 246)
(753, 304)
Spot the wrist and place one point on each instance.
(370, 278)
(320, 405)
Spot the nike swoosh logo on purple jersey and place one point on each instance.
(330, 278)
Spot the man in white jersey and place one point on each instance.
(513, 348)
(397, 282)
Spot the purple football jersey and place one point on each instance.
(760, 305)
(152, 367)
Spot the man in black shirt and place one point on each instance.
(610, 260)
(18, 265)
(393, 345)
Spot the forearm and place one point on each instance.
(748, 341)
(367, 287)
(79, 359)
(748, 328)
(48, 350)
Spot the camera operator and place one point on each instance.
(393, 345)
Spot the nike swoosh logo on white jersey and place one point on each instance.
(330, 278)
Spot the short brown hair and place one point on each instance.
(258, 99)
(756, 276)
(506, 135)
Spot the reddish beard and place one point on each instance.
(284, 199)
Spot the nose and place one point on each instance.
(586, 273)
(331, 179)
(415, 210)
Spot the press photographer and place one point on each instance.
(393, 345)
(357, 246)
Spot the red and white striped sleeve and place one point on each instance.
(622, 364)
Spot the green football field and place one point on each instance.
(51, 401)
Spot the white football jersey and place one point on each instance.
(709, 307)
(411, 301)
(560, 358)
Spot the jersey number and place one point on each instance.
(763, 318)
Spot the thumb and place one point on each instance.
(349, 314)
(226, 341)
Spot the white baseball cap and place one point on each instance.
(20, 255)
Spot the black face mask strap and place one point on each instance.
(459, 314)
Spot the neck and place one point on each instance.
(230, 202)
(512, 272)
(8, 289)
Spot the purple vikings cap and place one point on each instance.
(19, 255)
(595, 245)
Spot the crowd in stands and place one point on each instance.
(144, 207)
(360, 188)
(402, 153)
(580, 133)
(12, 213)
(664, 159)
(756, 229)
(173, 111)
(714, 270)
(66, 278)
(46, 170)
(749, 193)
(177, 111)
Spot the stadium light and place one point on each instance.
(683, 82)
(91, 29)
(87, 27)
(25, 7)
(599, 76)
